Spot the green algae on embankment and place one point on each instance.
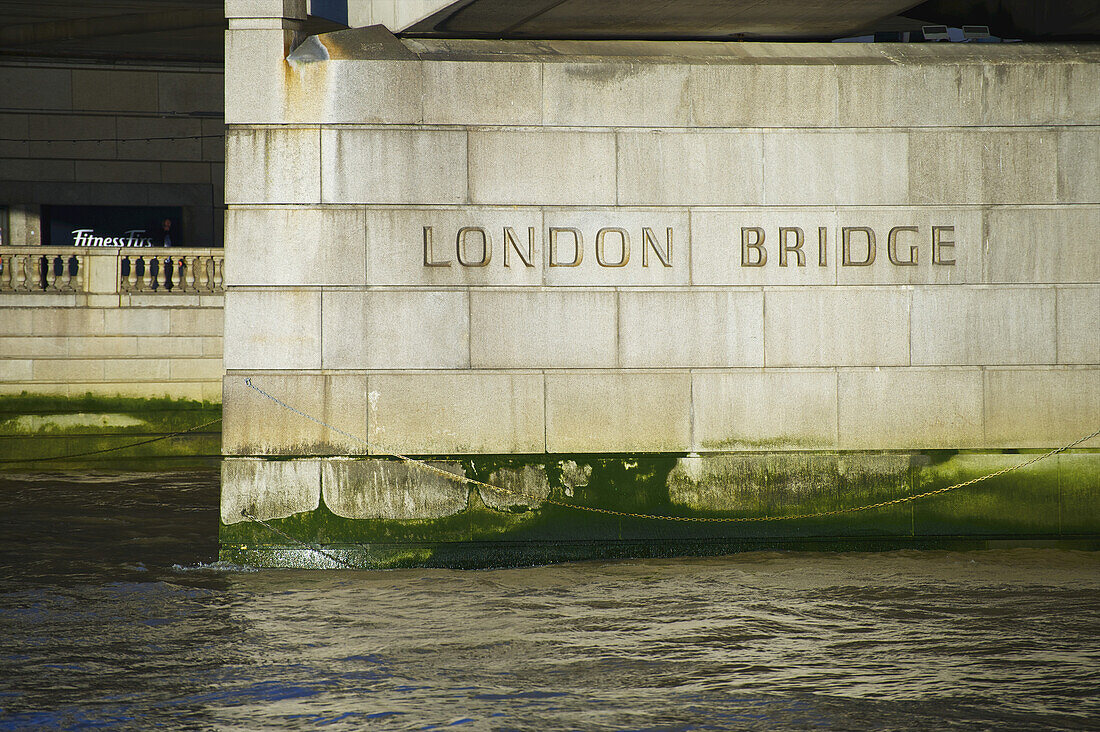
(1053, 501)
(42, 431)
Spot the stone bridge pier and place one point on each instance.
(701, 280)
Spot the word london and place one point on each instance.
(474, 247)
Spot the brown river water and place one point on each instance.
(115, 615)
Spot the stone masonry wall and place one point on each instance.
(404, 218)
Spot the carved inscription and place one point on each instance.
(858, 246)
(474, 246)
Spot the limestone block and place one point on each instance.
(146, 321)
(542, 167)
(161, 346)
(398, 246)
(482, 93)
(116, 171)
(195, 368)
(1041, 407)
(456, 413)
(1079, 164)
(268, 489)
(59, 127)
(831, 327)
(958, 238)
(211, 346)
(647, 238)
(395, 329)
(36, 170)
(600, 411)
(255, 425)
(1078, 311)
(17, 370)
(196, 321)
(764, 410)
(764, 95)
(828, 167)
(983, 166)
(394, 166)
(185, 173)
(691, 328)
(115, 90)
(690, 167)
(886, 95)
(273, 330)
(256, 85)
(293, 246)
(15, 131)
(131, 129)
(267, 165)
(61, 321)
(36, 88)
(910, 408)
(393, 490)
(41, 347)
(520, 488)
(354, 92)
(213, 141)
(716, 241)
(65, 369)
(1042, 244)
(18, 321)
(616, 94)
(982, 325)
(295, 9)
(554, 329)
(190, 92)
(1040, 93)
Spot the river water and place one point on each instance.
(115, 614)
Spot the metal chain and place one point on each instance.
(311, 547)
(695, 519)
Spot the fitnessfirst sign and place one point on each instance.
(130, 238)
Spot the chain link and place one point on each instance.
(654, 517)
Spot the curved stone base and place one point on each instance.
(378, 513)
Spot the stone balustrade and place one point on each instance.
(104, 272)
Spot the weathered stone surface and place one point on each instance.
(1078, 310)
(698, 328)
(520, 488)
(482, 93)
(271, 165)
(293, 246)
(599, 411)
(764, 95)
(257, 425)
(619, 94)
(828, 327)
(982, 325)
(1079, 164)
(882, 96)
(1040, 93)
(750, 409)
(565, 168)
(395, 329)
(391, 489)
(689, 167)
(394, 166)
(1042, 244)
(279, 329)
(918, 408)
(1041, 407)
(574, 329)
(829, 167)
(268, 489)
(456, 413)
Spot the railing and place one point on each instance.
(65, 270)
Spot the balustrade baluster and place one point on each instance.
(66, 278)
(49, 275)
(203, 275)
(21, 277)
(218, 273)
(146, 274)
(78, 278)
(189, 273)
(5, 272)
